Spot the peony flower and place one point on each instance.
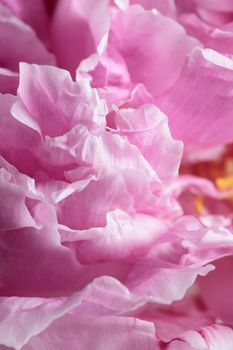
(115, 175)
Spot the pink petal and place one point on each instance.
(17, 140)
(174, 261)
(8, 81)
(14, 213)
(26, 48)
(217, 288)
(34, 14)
(124, 236)
(214, 5)
(147, 128)
(140, 47)
(95, 333)
(203, 116)
(166, 7)
(44, 319)
(79, 33)
(210, 338)
(107, 194)
(67, 106)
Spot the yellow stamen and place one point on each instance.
(225, 183)
(199, 205)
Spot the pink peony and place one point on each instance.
(116, 175)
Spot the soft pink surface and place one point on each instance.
(103, 243)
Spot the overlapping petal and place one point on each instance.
(103, 245)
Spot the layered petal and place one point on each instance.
(29, 240)
(147, 128)
(75, 103)
(209, 338)
(131, 48)
(172, 264)
(123, 237)
(141, 44)
(75, 318)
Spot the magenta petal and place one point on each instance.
(8, 81)
(27, 47)
(217, 288)
(79, 33)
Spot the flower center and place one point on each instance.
(219, 172)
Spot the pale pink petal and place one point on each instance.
(178, 257)
(106, 194)
(218, 337)
(147, 128)
(124, 236)
(122, 4)
(218, 38)
(14, 213)
(45, 319)
(198, 105)
(17, 140)
(209, 338)
(123, 190)
(217, 242)
(78, 114)
(149, 44)
(166, 7)
(67, 106)
(106, 150)
(139, 96)
(162, 280)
